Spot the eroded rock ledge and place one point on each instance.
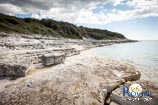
(77, 80)
(20, 52)
(83, 82)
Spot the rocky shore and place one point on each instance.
(21, 52)
(58, 71)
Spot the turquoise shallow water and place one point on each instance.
(144, 54)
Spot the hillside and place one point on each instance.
(54, 28)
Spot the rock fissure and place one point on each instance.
(107, 98)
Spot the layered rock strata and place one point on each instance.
(77, 80)
(23, 52)
(85, 82)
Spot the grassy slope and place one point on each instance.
(53, 28)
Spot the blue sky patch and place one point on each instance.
(108, 7)
(29, 15)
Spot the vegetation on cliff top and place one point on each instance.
(54, 28)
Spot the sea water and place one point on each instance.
(144, 54)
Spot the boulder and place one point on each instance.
(9, 70)
(52, 59)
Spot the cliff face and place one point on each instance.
(53, 28)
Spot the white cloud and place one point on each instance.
(142, 8)
(10, 9)
(117, 2)
(81, 11)
(143, 3)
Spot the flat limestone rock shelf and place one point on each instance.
(21, 52)
(15, 65)
(79, 81)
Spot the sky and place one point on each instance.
(136, 19)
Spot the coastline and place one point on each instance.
(82, 78)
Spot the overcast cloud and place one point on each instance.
(81, 11)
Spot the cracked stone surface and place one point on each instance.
(26, 51)
(82, 79)
(83, 82)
